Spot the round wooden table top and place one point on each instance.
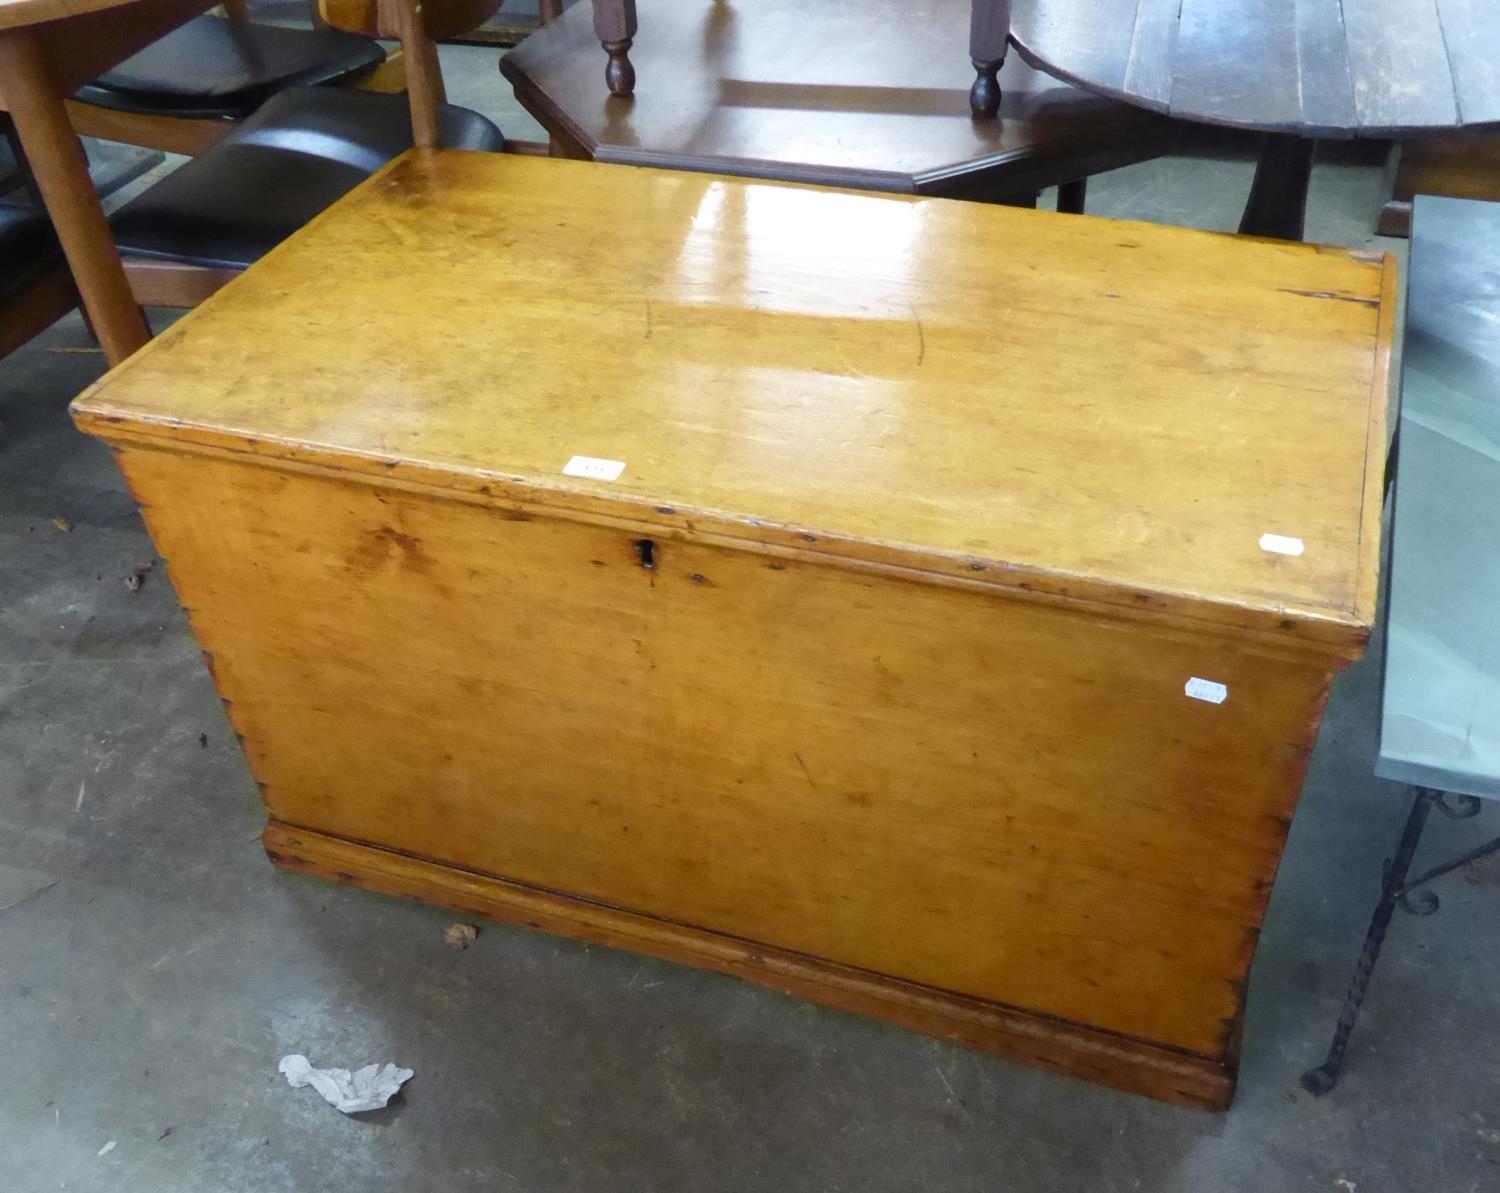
(15, 14)
(1325, 68)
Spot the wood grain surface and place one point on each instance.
(17, 13)
(963, 790)
(1135, 1066)
(1106, 412)
(869, 673)
(1315, 67)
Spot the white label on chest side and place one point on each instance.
(1206, 689)
(1281, 544)
(594, 469)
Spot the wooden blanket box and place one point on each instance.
(921, 607)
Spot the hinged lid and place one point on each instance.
(1131, 415)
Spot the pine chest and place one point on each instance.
(925, 608)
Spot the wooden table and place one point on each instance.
(776, 590)
(871, 94)
(48, 48)
(1297, 69)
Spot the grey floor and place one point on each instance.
(154, 967)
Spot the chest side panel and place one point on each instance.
(1003, 798)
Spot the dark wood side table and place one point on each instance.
(1297, 69)
(615, 25)
(756, 90)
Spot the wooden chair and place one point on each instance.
(36, 289)
(186, 91)
(989, 34)
(300, 151)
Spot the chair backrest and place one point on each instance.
(418, 25)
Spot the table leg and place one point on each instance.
(989, 34)
(1071, 196)
(614, 26)
(1322, 1079)
(62, 175)
(1278, 196)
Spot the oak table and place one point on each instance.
(745, 591)
(1296, 69)
(48, 49)
(870, 94)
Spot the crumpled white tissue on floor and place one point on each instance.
(368, 1089)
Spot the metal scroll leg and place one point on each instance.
(1322, 1079)
(1278, 196)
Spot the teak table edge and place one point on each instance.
(1134, 1066)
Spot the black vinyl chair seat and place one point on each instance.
(213, 67)
(28, 248)
(299, 153)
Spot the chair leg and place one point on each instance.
(61, 171)
(615, 25)
(1322, 1079)
(1072, 195)
(989, 34)
(549, 10)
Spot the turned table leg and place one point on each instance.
(989, 33)
(614, 25)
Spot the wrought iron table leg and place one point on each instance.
(1322, 1079)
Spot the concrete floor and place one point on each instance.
(154, 967)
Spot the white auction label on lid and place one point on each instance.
(594, 468)
(1281, 544)
(1206, 689)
